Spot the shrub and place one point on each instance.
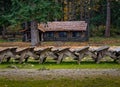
(100, 31)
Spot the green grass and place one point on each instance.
(6, 40)
(2, 40)
(63, 65)
(97, 81)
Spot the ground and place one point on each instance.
(47, 74)
(60, 78)
(94, 41)
(47, 77)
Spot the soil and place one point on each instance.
(32, 74)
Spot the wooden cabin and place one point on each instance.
(61, 31)
(64, 31)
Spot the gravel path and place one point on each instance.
(56, 73)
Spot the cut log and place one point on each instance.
(80, 53)
(99, 53)
(115, 54)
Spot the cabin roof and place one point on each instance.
(63, 26)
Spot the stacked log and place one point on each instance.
(58, 53)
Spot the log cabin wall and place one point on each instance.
(64, 31)
(65, 36)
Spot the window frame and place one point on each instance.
(63, 34)
(76, 34)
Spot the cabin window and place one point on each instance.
(62, 34)
(49, 34)
(75, 34)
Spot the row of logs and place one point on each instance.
(58, 54)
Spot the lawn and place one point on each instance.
(63, 65)
(97, 81)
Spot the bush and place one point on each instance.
(115, 32)
(99, 31)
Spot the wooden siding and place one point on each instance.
(69, 37)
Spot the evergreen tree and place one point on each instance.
(35, 11)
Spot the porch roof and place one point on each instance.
(63, 26)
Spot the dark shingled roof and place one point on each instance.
(63, 26)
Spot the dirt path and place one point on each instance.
(56, 73)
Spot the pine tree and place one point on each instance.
(35, 11)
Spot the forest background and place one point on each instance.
(102, 15)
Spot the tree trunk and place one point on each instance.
(73, 10)
(34, 33)
(107, 31)
(56, 1)
(4, 32)
(65, 10)
(26, 28)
